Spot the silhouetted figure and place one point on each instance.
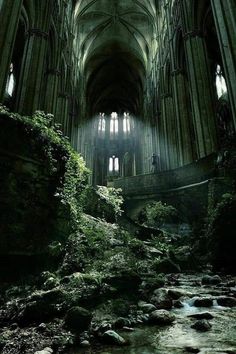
(155, 163)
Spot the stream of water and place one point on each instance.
(180, 337)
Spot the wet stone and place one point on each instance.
(202, 316)
(161, 317)
(202, 326)
(112, 337)
(203, 302)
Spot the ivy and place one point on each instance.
(112, 196)
(58, 151)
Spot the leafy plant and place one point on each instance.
(112, 197)
(157, 213)
(61, 158)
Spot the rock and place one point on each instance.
(103, 327)
(176, 294)
(37, 312)
(42, 327)
(45, 351)
(121, 322)
(203, 302)
(127, 280)
(128, 329)
(161, 317)
(231, 284)
(78, 319)
(150, 284)
(51, 283)
(147, 308)
(85, 344)
(211, 280)
(161, 299)
(191, 350)
(202, 316)
(202, 325)
(167, 266)
(226, 301)
(178, 304)
(111, 337)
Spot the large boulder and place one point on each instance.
(161, 317)
(202, 326)
(203, 302)
(111, 337)
(78, 319)
(161, 299)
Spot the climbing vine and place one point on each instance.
(63, 161)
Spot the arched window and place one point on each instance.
(221, 87)
(11, 82)
(101, 122)
(126, 123)
(113, 165)
(114, 123)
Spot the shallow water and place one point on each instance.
(175, 338)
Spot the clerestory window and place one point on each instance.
(114, 123)
(10, 87)
(220, 82)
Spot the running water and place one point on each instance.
(180, 337)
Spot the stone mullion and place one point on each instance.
(201, 93)
(224, 13)
(9, 19)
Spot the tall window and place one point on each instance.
(126, 123)
(11, 81)
(114, 123)
(101, 122)
(113, 164)
(221, 87)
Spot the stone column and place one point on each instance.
(51, 91)
(9, 19)
(185, 133)
(224, 12)
(32, 72)
(62, 111)
(201, 94)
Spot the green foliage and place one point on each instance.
(157, 213)
(61, 158)
(112, 197)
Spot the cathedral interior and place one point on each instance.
(110, 102)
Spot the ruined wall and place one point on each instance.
(31, 216)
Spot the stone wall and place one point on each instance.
(31, 216)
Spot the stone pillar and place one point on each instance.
(32, 72)
(224, 12)
(51, 91)
(201, 94)
(62, 111)
(185, 133)
(9, 19)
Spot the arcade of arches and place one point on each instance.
(169, 65)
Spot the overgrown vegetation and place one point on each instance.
(62, 160)
(156, 214)
(221, 233)
(112, 196)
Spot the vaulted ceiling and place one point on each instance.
(114, 43)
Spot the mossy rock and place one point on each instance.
(78, 319)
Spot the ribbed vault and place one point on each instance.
(114, 43)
